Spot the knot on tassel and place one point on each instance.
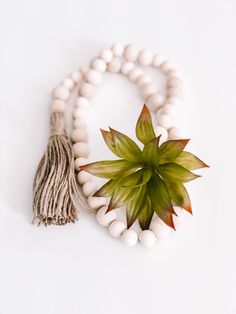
(58, 124)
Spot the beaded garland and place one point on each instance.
(124, 60)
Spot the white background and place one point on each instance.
(79, 268)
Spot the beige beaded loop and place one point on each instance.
(131, 62)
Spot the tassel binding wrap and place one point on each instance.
(55, 190)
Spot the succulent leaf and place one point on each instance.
(107, 136)
(190, 161)
(144, 128)
(109, 169)
(160, 199)
(125, 147)
(176, 173)
(135, 205)
(108, 188)
(171, 149)
(145, 215)
(179, 195)
(151, 152)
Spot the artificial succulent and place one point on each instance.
(146, 181)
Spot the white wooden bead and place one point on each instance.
(175, 82)
(159, 130)
(143, 80)
(93, 77)
(158, 60)
(129, 237)
(117, 50)
(68, 83)
(155, 101)
(159, 228)
(135, 74)
(167, 109)
(80, 162)
(165, 121)
(145, 57)
(79, 123)
(89, 188)
(103, 218)
(127, 67)
(175, 133)
(83, 177)
(96, 202)
(79, 135)
(58, 106)
(86, 90)
(130, 52)
(174, 92)
(82, 103)
(106, 55)
(80, 114)
(61, 93)
(116, 228)
(176, 101)
(81, 150)
(175, 73)
(114, 66)
(98, 64)
(147, 238)
(76, 76)
(166, 67)
(84, 69)
(148, 89)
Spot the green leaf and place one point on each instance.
(109, 169)
(175, 173)
(171, 149)
(161, 201)
(110, 142)
(179, 195)
(125, 147)
(108, 188)
(120, 196)
(144, 128)
(135, 205)
(190, 161)
(151, 152)
(138, 178)
(145, 215)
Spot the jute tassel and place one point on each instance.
(55, 191)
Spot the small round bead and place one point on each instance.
(175, 73)
(83, 177)
(61, 93)
(175, 82)
(166, 67)
(80, 114)
(129, 237)
(148, 89)
(81, 150)
(174, 92)
(147, 238)
(86, 90)
(84, 69)
(106, 55)
(116, 228)
(82, 103)
(103, 218)
(79, 123)
(175, 133)
(79, 135)
(176, 101)
(145, 57)
(130, 52)
(58, 106)
(159, 130)
(93, 77)
(98, 64)
(143, 80)
(96, 202)
(68, 83)
(135, 74)
(159, 228)
(167, 109)
(158, 60)
(165, 121)
(80, 162)
(76, 76)
(117, 50)
(114, 66)
(89, 188)
(155, 101)
(126, 67)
